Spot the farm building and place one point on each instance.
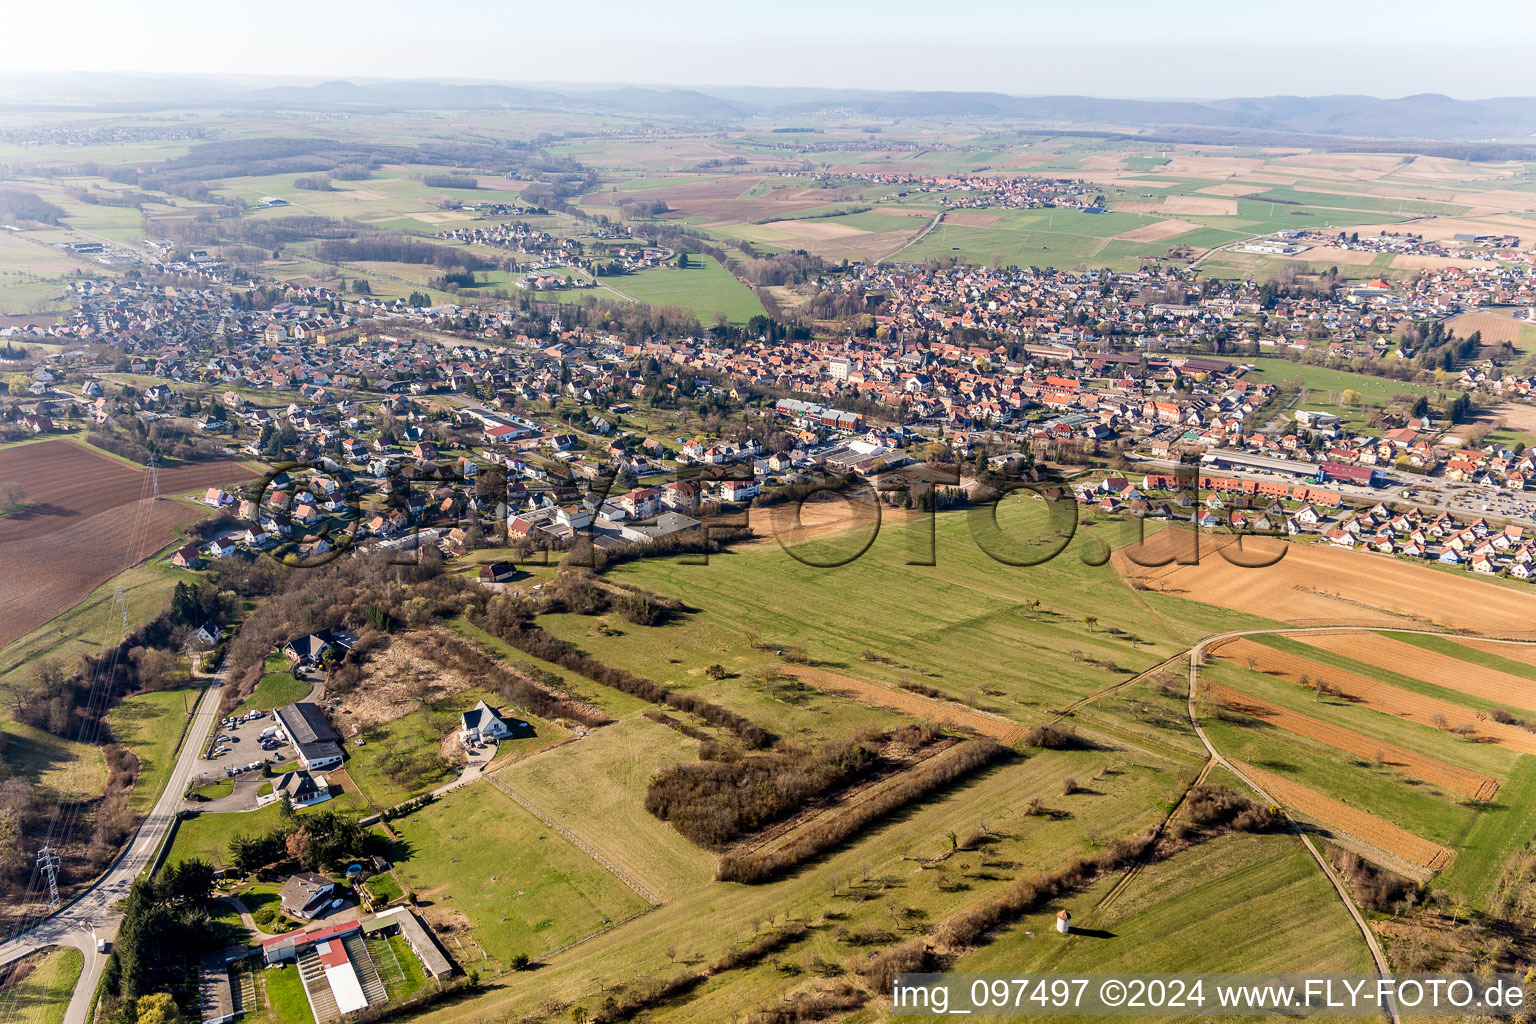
(216, 994)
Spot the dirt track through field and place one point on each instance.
(1358, 823)
(1371, 693)
(1410, 762)
(1313, 585)
(926, 709)
(1430, 666)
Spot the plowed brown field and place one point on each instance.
(1411, 762)
(1374, 694)
(1430, 666)
(86, 520)
(1322, 586)
(66, 483)
(908, 703)
(1358, 823)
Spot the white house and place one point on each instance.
(302, 789)
(481, 723)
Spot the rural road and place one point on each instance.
(94, 914)
(1197, 656)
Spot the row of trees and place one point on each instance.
(320, 840)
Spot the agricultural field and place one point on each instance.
(1196, 912)
(1388, 741)
(704, 286)
(496, 882)
(88, 516)
(976, 627)
(1314, 585)
(41, 995)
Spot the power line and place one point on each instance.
(48, 864)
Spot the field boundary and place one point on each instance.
(1421, 766)
(613, 869)
(907, 702)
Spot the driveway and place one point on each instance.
(241, 798)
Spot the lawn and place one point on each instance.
(385, 888)
(151, 725)
(206, 837)
(214, 790)
(43, 997)
(400, 758)
(523, 889)
(705, 287)
(285, 995)
(277, 689)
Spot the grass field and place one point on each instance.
(43, 997)
(477, 856)
(61, 769)
(278, 688)
(151, 725)
(285, 995)
(1376, 390)
(206, 837)
(1196, 912)
(704, 286)
(421, 733)
(974, 635)
(596, 787)
(889, 870)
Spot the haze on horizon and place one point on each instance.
(1201, 49)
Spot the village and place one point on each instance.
(1152, 366)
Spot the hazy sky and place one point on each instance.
(1195, 48)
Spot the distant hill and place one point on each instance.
(1423, 117)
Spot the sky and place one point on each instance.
(1189, 49)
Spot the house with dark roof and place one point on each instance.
(302, 789)
(311, 734)
(308, 650)
(481, 723)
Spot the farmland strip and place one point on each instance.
(1378, 695)
(1358, 823)
(1413, 763)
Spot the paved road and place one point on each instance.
(93, 914)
